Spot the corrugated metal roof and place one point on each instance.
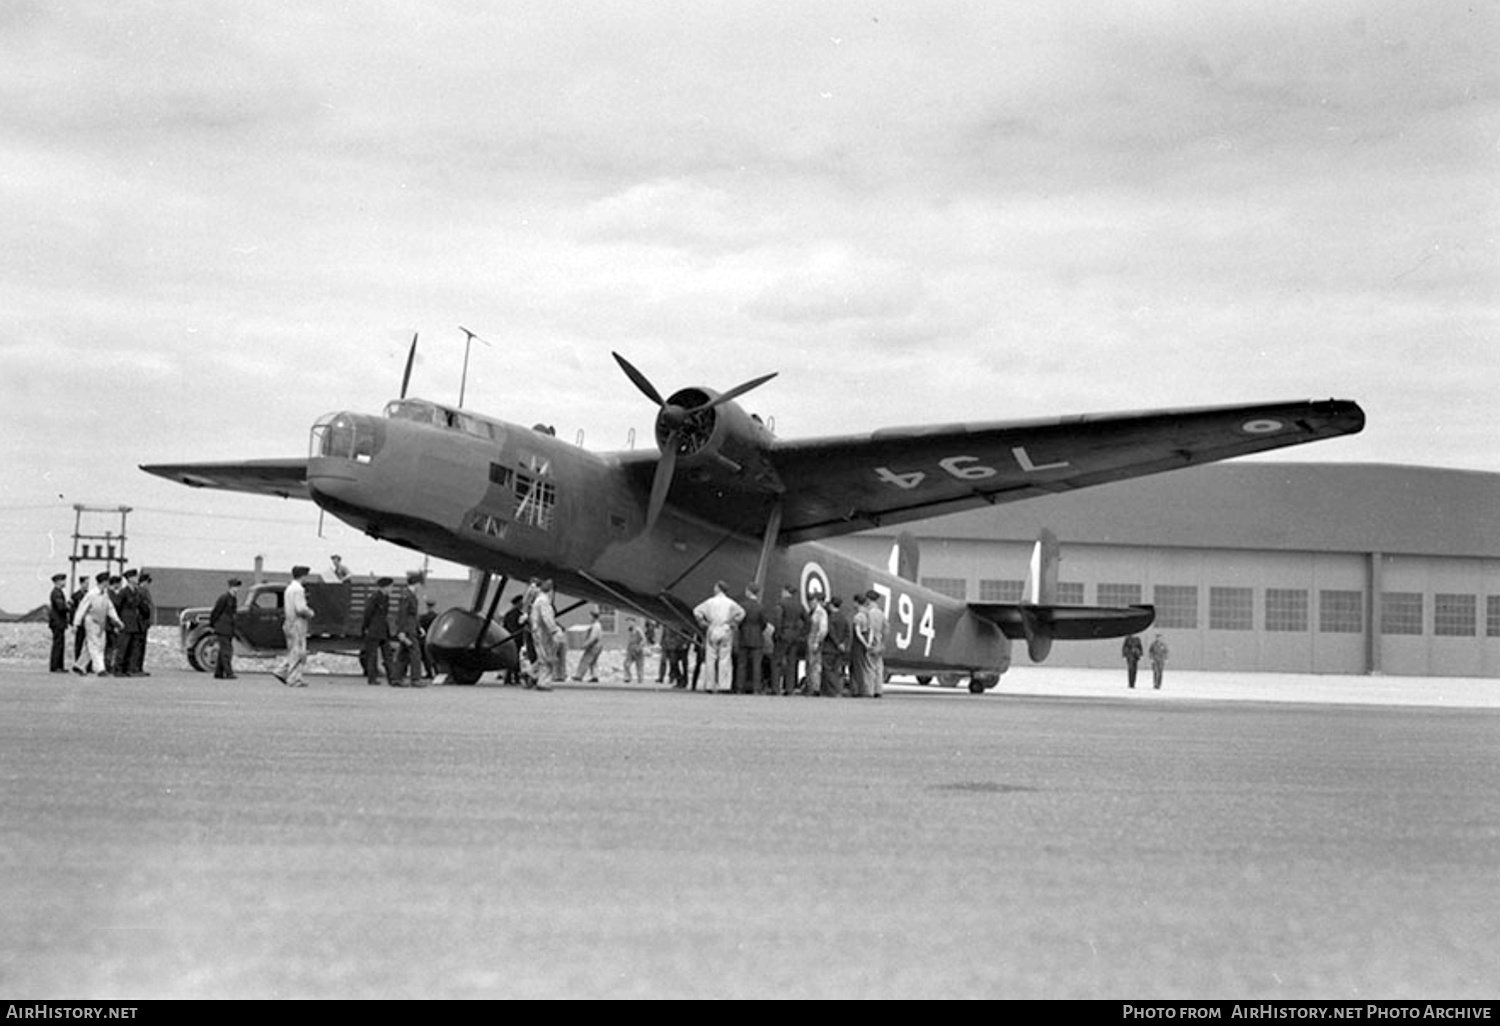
(1317, 507)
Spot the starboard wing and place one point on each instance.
(836, 486)
(284, 478)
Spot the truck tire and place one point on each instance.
(204, 653)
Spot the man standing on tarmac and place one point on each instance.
(788, 643)
(750, 649)
(405, 630)
(1131, 652)
(546, 636)
(719, 616)
(1158, 652)
(221, 622)
(297, 615)
(132, 631)
(57, 623)
(375, 650)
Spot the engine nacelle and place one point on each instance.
(721, 443)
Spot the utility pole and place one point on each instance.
(107, 548)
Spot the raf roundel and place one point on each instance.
(1263, 426)
(814, 582)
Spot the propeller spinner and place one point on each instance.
(674, 423)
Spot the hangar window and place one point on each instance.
(1119, 594)
(1454, 616)
(1286, 610)
(1231, 609)
(1401, 612)
(1070, 593)
(1176, 606)
(1001, 591)
(607, 621)
(1341, 612)
(953, 587)
(1492, 616)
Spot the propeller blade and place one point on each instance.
(411, 355)
(662, 483)
(734, 393)
(640, 380)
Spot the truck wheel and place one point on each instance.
(204, 653)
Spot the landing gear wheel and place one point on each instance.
(924, 679)
(976, 687)
(465, 674)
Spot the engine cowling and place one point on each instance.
(719, 442)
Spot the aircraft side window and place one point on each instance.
(535, 500)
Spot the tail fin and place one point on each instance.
(905, 556)
(1040, 619)
(1041, 582)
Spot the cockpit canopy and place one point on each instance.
(358, 437)
(424, 412)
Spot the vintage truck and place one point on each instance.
(338, 610)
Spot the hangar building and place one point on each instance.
(1289, 567)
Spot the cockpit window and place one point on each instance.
(415, 409)
(423, 412)
(344, 436)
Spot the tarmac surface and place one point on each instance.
(1227, 837)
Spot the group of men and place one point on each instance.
(392, 630)
(393, 635)
(541, 642)
(110, 617)
(1132, 651)
(755, 648)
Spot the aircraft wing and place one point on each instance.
(284, 478)
(835, 486)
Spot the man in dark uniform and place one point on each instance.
(112, 628)
(132, 635)
(148, 617)
(751, 645)
(221, 622)
(57, 623)
(836, 647)
(376, 649)
(1131, 651)
(424, 623)
(514, 623)
(132, 631)
(674, 649)
(405, 631)
(789, 642)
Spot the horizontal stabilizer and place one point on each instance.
(1065, 623)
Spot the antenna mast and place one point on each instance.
(463, 382)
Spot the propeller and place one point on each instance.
(676, 419)
(411, 355)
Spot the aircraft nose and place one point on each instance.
(354, 437)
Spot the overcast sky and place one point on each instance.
(222, 220)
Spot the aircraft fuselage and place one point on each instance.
(517, 501)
